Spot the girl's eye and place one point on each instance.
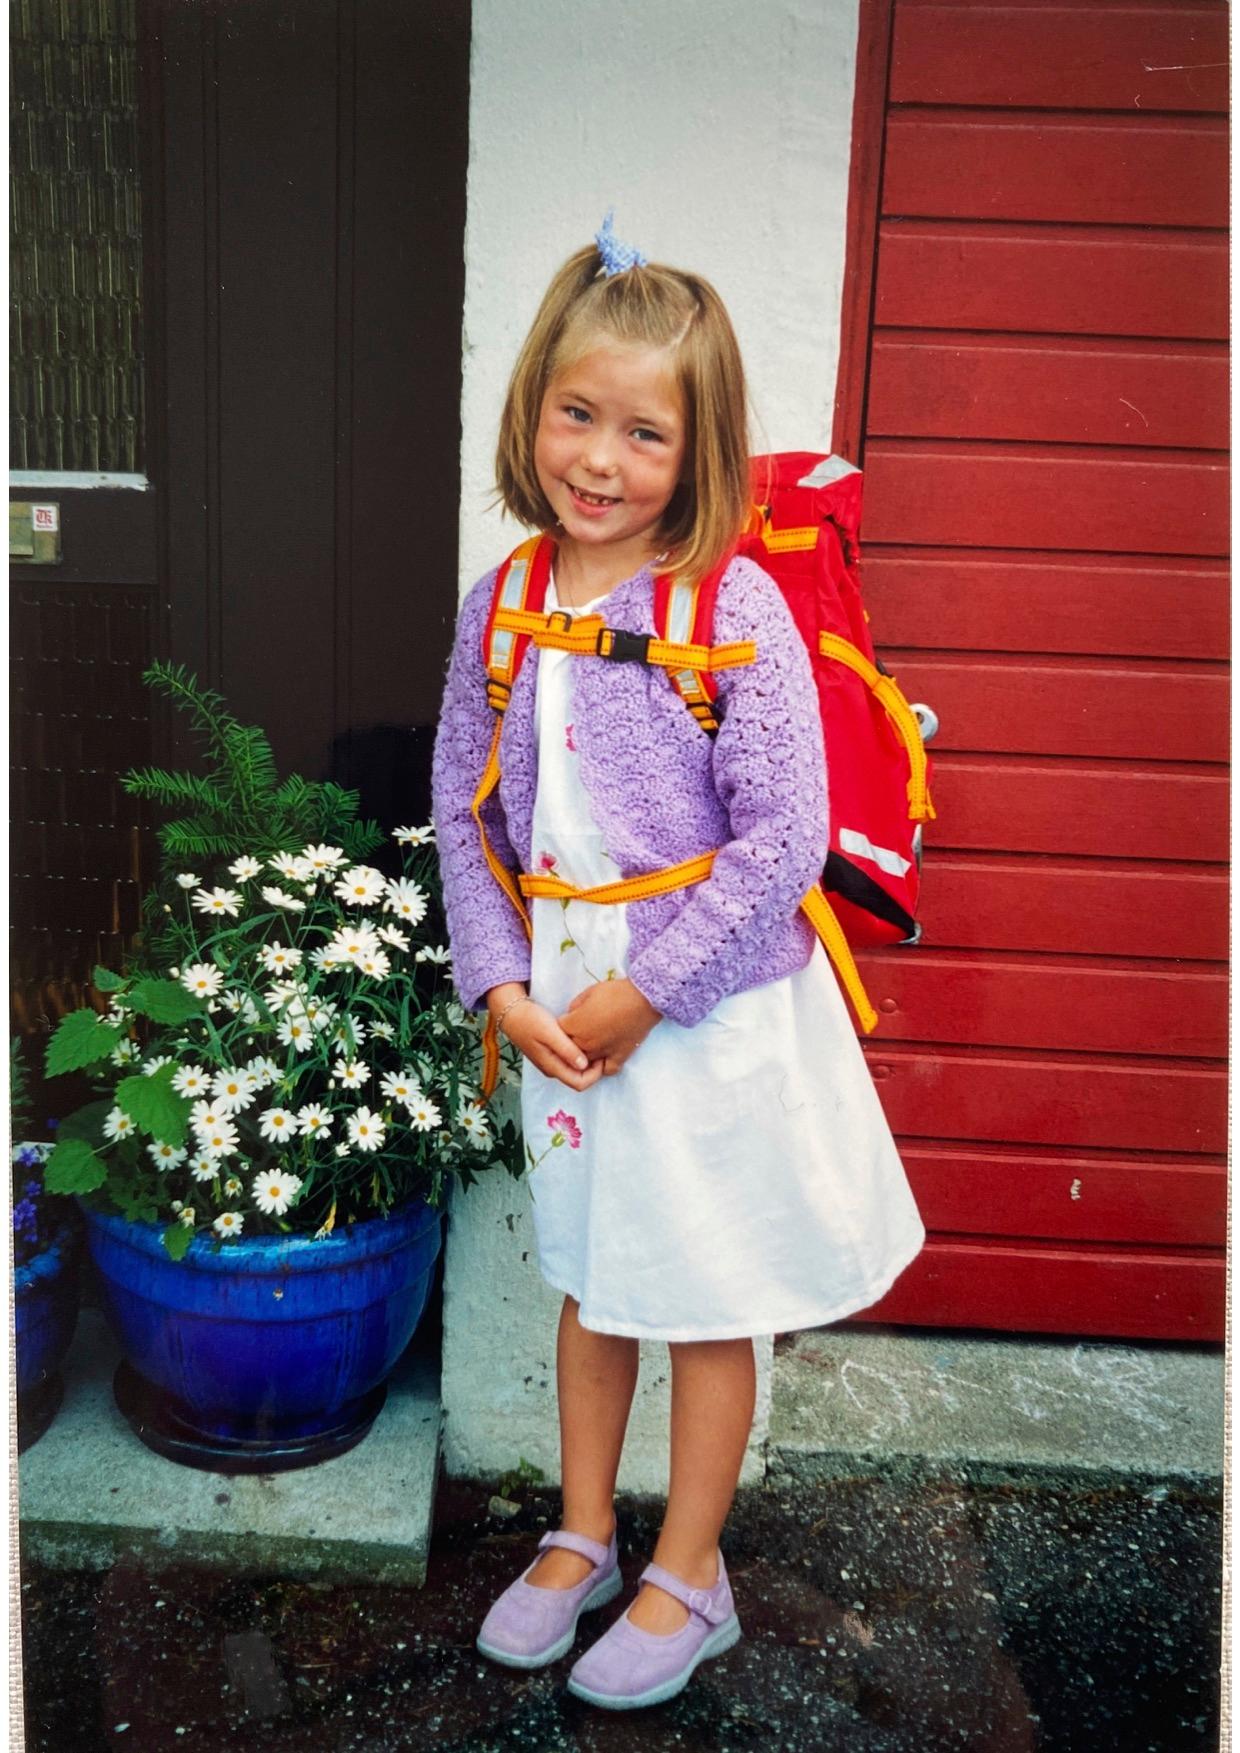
(648, 432)
(574, 412)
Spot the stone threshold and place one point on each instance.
(995, 1408)
(92, 1495)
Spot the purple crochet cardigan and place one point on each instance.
(661, 790)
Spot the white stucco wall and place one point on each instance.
(719, 130)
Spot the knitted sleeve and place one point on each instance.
(770, 773)
(487, 939)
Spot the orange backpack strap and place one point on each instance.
(684, 614)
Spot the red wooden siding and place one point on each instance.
(1035, 382)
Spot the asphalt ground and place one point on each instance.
(878, 1617)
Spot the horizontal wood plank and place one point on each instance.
(966, 600)
(1107, 908)
(1013, 805)
(1101, 280)
(937, 384)
(1100, 169)
(1045, 496)
(1020, 1099)
(1082, 1196)
(1072, 57)
(1070, 705)
(1031, 1288)
(1075, 1005)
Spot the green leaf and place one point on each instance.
(177, 1238)
(165, 1001)
(153, 1104)
(85, 1123)
(106, 980)
(81, 1039)
(74, 1167)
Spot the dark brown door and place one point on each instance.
(237, 285)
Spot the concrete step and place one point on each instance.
(91, 1493)
(899, 1402)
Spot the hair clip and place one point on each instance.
(617, 257)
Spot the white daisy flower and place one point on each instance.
(218, 901)
(228, 1223)
(349, 1033)
(186, 1215)
(326, 958)
(273, 1191)
(296, 1032)
(231, 1090)
(244, 868)
(266, 1071)
(454, 1017)
(278, 1125)
(294, 870)
(366, 1130)
(322, 858)
(401, 1086)
(218, 1141)
(377, 966)
(118, 1125)
(192, 1081)
(279, 958)
(406, 899)
(232, 999)
(397, 939)
(361, 886)
(438, 953)
(383, 1031)
(279, 898)
(415, 836)
(472, 1121)
(206, 1114)
(202, 978)
(314, 1117)
(351, 1073)
(203, 1168)
(124, 1052)
(187, 880)
(165, 1156)
(424, 1116)
(177, 1205)
(350, 944)
(118, 1007)
(342, 1149)
(232, 1187)
(319, 1014)
(153, 1065)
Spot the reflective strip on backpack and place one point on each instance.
(883, 856)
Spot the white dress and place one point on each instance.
(734, 1178)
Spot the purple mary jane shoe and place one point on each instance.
(528, 1627)
(629, 1667)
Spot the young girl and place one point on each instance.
(710, 1160)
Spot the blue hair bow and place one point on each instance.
(617, 256)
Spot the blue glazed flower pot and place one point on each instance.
(270, 1352)
(45, 1312)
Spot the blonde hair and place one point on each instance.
(654, 306)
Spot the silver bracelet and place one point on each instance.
(511, 1005)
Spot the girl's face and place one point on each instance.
(609, 448)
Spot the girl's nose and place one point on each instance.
(597, 455)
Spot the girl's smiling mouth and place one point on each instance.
(598, 500)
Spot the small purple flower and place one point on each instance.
(52, 1125)
(27, 1157)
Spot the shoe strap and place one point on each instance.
(711, 1604)
(597, 1553)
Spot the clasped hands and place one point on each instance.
(602, 1026)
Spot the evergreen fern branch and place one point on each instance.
(173, 788)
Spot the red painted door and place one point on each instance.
(1035, 382)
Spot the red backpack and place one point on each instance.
(803, 532)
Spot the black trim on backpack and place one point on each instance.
(842, 878)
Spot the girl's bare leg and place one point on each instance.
(596, 1374)
(713, 1393)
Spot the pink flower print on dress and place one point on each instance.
(546, 861)
(565, 1129)
(568, 738)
